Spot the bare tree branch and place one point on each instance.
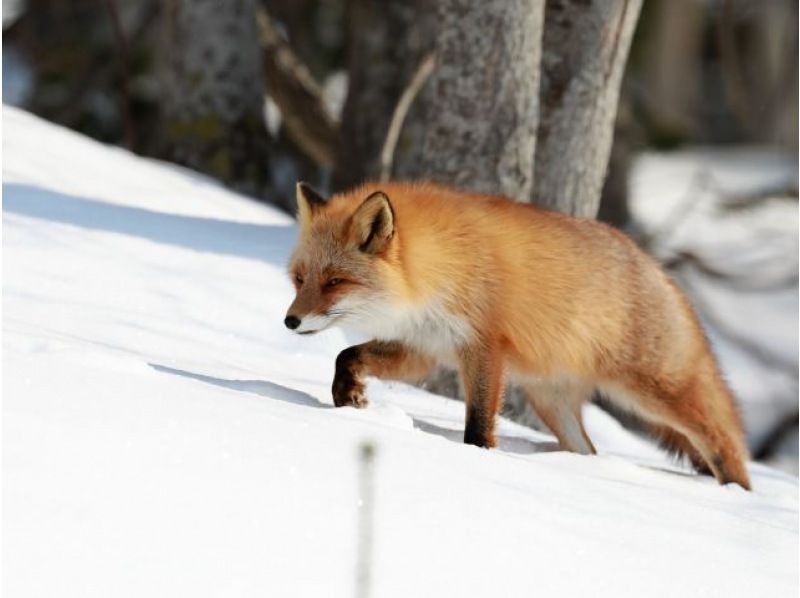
(298, 96)
(734, 281)
(421, 75)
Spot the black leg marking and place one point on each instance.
(478, 429)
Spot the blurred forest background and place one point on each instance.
(676, 120)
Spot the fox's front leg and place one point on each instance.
(483, 375)
(389, 360)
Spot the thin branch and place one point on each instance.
(421, 75)
(746, 201)
(734, 281)
(620, 26)
(366, 508)
(298, 96)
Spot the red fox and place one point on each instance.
(560, 306)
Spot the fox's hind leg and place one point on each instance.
(388, 360)
(558, 404)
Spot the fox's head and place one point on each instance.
(340, 265)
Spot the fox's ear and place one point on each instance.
(308, 202)
(372, 225)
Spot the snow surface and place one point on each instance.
(164, 435)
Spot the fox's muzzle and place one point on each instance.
(310, 323)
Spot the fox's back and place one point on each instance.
(565, 292)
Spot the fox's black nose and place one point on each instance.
(292, 322)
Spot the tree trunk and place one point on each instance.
(481, 104)
(387, 40)
(214, 93)
(474, 123)
(584, 50)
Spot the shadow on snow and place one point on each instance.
(263, 242)
(271, 390)
(263, 388)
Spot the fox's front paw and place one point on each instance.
(348, 389)
(349, 392)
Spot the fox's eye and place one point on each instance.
(333, 282)
(298, 279)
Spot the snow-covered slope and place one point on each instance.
(164, 435)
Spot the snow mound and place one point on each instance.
(164, 434)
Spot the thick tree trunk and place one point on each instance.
(387, 40)
(584, 51)
(213, 91)
(474, 124)
(481, 104)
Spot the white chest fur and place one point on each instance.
(430, 329)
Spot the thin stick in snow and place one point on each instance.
(366, 476)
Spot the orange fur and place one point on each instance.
(507, 290)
